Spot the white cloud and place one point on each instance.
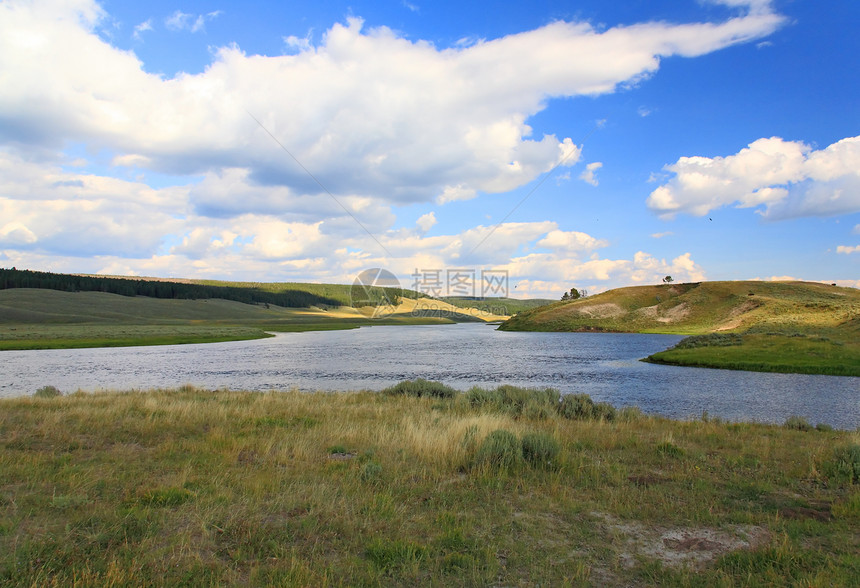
(142, 28)
(661, 235)
(848, 249)
(426, 221)
(856, 229)
(787, 178)
(178, 20)
(379, 119)
(571, 241)
(182, 21)
(588, 176)
(369, 112)
(82, 214)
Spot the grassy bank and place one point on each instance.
(199, 488)
(801, 354)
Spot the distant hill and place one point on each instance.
(699, 308)
(284, 294)
(500, 305)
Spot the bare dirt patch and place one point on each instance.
(679, 546)
(608, 310)
(671, 315)
(736, 316)
(816, 512)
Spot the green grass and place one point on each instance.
(772, 353)
(197, 487)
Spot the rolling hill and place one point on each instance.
(800, 327)
(698, 308)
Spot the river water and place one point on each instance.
(606, 366)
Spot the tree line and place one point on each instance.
(15, 278)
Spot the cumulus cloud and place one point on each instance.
(785, 178)
(588, 176)
(380, 120)
(848, 249)
(426, 222)
(570, 241)
(368, 111)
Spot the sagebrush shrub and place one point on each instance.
(845, 465)
(576, 406)
(798, 423)
(421, 388)
(48, 392)
(500, 449)
(540, 449)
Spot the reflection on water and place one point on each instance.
(605, 366)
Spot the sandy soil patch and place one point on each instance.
(425, 304)
(679, 546)
(608, 310)
(671, 315)
(736, 317)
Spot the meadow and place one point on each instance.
(419, 484)
(52, 319)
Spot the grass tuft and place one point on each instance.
(47, 392)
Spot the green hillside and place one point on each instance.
(500, 305)
(40, 318)
(764, 326)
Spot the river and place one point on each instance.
(606, 366)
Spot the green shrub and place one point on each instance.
(845, 465)
(370, 472)
(421, 388)
(500, 449)
(798, 423)
(537, 403)
(604, 411)
(540, 449)
(48, 392)
(629, 414)
(478, 397)
(823, 427)
(576, 406)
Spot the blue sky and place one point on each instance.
(588, 144)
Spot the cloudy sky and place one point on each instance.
(569, 143)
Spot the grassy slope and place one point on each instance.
(500, 305)
(43, 319)
(232, 488)
(786, 326)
